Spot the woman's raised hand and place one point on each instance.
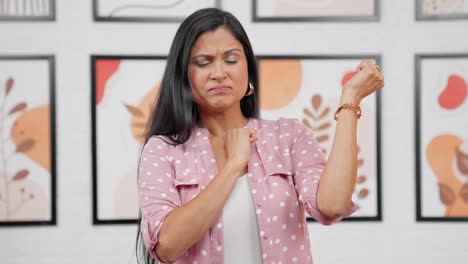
(367, 80)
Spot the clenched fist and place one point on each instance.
(237, 145)
(367, 80)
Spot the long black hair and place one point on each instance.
(175, 112)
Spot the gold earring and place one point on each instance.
(251, 89)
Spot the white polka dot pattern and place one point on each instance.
(172, 176)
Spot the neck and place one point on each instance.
(219, 123)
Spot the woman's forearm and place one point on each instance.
(338, 179)
(187, 224)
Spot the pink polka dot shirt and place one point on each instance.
(283, 177)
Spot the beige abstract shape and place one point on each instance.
(32, 129)
(440, 153)
(142, 113)
(280, 82)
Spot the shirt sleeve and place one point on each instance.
(308, 163)
(157, 193)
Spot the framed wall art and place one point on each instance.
(27, 150)
(27, 10)
(316, 10)
(441, 137)
(123, 91)
(308, 88)
(147, 10)
(441, 9)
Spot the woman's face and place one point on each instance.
(217, 71)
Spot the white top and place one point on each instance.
(241, 235)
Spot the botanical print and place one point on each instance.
(444, 139)
(27, 169)
(323, 8)
(309, 89)
(26, 8)
(125, 89)
(150, 8)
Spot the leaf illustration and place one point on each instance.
(360, 162)
(363, 193)
(446, 194)
(306, 123)
(139, 124)
(20, 175)
(324, 113)
(134, 110)
(25, 145)
(316, 101)
(361, 179)
(462, 161)
(322, 138)
(464, 192)
(9, 85)
(19, 107)
(322, 127)
(309, 114)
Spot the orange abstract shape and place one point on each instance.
(347, 77)
(440, 154)
(142, 113)
(454, 93)
(104, 70)
(280, 82)
(31, 135)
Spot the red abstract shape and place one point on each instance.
(347, 77)
(104, 70)
(454, 93)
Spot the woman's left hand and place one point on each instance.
(367, 80)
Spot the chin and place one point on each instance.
(221, 106)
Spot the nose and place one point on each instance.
(218, 71)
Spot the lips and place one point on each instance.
(220, 89)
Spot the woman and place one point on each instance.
(219, 185)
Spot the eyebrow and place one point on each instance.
(226, 52)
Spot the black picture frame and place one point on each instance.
(95, 206)
(53, 166)
(418, 60)
(29, 18)
(378, 60)
(373, 18)
(167, 19)
(420, 17)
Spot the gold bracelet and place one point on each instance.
(355, 108)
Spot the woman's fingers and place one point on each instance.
(252, 135)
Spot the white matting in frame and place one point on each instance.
(123, 92)
(317, 10)
(27, 149)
